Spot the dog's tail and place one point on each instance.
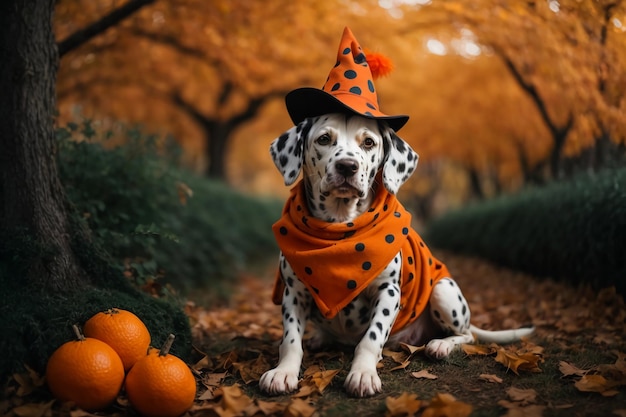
(501, 336)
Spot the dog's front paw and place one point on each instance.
(438, 349)
(363, 383)
(277, 381)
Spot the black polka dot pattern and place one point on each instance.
(351, 77)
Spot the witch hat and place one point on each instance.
(348, 89)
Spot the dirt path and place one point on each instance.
(575, 365)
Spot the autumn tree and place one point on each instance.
(30, 190)
(194, 67)
(48, 267)
(567, 58)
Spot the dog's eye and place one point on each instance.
(324, 139)
(368, 143)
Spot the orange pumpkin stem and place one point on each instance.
(78, 333)
(165, 349)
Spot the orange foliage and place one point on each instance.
(453, 75)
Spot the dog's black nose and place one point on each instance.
(347, 167)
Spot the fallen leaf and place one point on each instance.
(531, 362)
(516, 362)
(567, 369)
(477, 349)
(207, 395)
(270, 408)
(490, 378)
(233, 401)
(213, 380)
(298, 408)
(226, 360)
(604, 338)
(314, 381)
(405, 404)
(306, 388)
(32, 409)
(620, 363)
(522, 396)
(423, 374)
(398, 357)
(322, 379)
(203, 363)
(252, 370)
(529, 347)
(620, 413)
(311, 370)
(445, 405)
(81, 413)
(403, 365)
(28, 381)
(412, 349)
(595, 383)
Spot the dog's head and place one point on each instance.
(340, 155)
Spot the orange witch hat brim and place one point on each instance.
(349, 89)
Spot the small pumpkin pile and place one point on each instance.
(90, 370)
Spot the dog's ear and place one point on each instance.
(399, 162)
(287, 151)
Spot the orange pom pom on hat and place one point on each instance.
(348, 89)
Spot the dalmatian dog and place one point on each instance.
(340, 157)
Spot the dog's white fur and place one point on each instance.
(340, 157)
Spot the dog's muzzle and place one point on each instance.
(347, 167)
(343, 180)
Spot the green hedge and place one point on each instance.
(133, 199)
(574, 230)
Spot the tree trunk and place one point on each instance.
(476, 186)
(31, 195)
(217, 140)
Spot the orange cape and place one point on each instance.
(336, 261)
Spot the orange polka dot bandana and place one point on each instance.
(336, 261)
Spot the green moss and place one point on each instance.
(35, 324)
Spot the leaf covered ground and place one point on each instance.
(575, 364)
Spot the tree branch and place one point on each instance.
(168, 40)
(81, 36)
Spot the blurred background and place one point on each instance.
(502, 95)
(499, 93)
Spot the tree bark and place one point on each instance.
(476, 187)
(218, 134)
(32, 200)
